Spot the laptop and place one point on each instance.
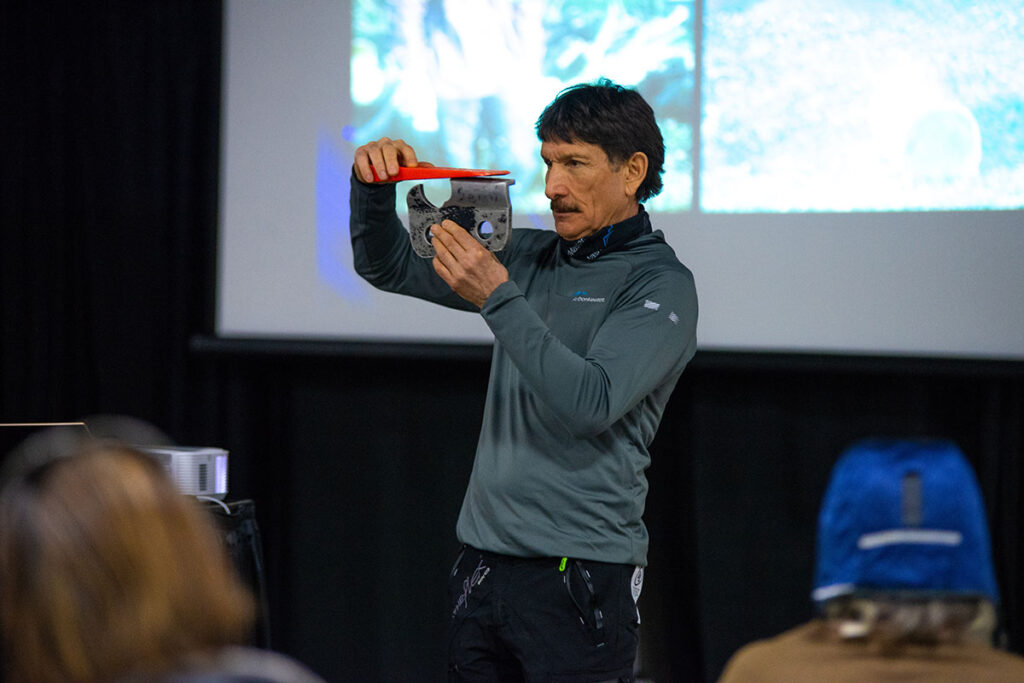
(16, 435)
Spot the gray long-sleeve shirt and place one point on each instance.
(586, 355)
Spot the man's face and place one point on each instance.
(586, 191)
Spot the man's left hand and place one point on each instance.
(469, 269)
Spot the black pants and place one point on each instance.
(541, 619)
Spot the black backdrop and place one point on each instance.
(357, 459)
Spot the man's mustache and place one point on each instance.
(557, 207)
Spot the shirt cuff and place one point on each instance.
(501, 295)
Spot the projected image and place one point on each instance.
(850, 105)
(841, 109)
(463, 81)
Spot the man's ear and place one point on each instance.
(634, 170)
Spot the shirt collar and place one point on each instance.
(609, 238)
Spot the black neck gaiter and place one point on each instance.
(608, 238)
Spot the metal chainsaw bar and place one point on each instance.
(480, 205)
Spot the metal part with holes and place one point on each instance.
(480, 205)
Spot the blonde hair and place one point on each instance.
(106, 568)
(894, 620)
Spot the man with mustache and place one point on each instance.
(593, 324)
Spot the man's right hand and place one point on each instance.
(383, 156)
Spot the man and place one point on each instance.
(904, 581)
(593, 324)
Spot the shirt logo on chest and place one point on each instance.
(585, 297)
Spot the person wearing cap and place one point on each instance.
(904, 583)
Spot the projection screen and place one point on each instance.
(842, 177)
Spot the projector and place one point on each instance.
(198, 471)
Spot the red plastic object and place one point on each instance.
(427, 172)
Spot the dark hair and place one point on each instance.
(616, 119)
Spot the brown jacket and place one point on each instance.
(812, 652)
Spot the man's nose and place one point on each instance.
(553, 184)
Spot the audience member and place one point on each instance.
(904, 583)
(109, 573)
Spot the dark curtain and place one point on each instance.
(108, 203)
(356, 462)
